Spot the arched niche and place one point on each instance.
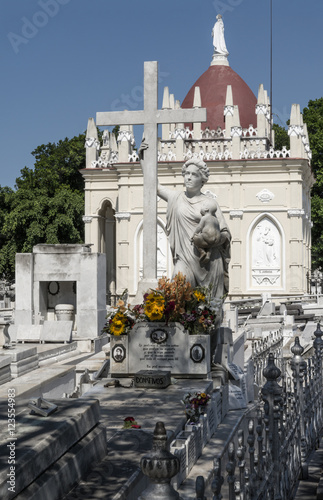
(265, 254)
(107, 245)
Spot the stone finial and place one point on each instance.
(92, 143)
(236, 117)
(229, 96)
(266, 97)
(171, 101)
(91, 130)
(197, 101)
(261, 94)
(166, 104)
(295, 115)
(160, 466)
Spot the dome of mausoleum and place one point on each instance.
(213, 87)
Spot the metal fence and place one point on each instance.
(266, 459)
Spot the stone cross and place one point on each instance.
(150, 117)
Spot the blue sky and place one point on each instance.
(64, 60)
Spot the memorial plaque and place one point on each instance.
(152, 379)
(157, 347)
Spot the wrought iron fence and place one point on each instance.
(286, 428)
(265, 460)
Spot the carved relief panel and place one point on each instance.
(266, 247)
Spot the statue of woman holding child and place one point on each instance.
(198, 234)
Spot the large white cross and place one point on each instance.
(150, 117)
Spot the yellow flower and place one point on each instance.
(154, 306)
(199, 296)
(117, 325)
(203, 395)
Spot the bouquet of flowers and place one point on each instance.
(195, 405)
(120, 320)
(173, 301)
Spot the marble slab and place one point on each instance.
(56, 331)
(29, 333)
(154, 346)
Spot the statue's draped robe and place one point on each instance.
(183, 215)
(218, 38)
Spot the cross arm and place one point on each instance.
(120, 118)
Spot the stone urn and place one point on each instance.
(64, 312)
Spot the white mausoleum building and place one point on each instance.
(264, 193)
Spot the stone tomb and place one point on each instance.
(154, 346)
(55, 275)
(50, 453)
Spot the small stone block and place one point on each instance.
(151, 379)
(42, 407)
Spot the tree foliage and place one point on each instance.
(281, 137)
(48, 203)
(313, 117)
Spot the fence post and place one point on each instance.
(160, 466)
(299, 366)
(318, 347)
(200, 488)
(272, 396)
(231, 466)
(218, 480)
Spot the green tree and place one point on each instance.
(6, 199)
(313, 117)
(281, 137)
(48, 203)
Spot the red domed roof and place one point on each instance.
(213, 86)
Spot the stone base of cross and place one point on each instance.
(150, 117)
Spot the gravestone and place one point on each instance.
(155, 346)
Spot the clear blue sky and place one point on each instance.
(64, 60)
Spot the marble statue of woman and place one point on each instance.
(183, 217)
(218, 37)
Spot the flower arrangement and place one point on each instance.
(120, 320)
(173, 301)
(130, 423)
(195, 405)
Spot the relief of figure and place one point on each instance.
(218, 37)
(183, 218)
(266, 247)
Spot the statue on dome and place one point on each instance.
(218, 37)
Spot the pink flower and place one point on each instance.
(129, 419)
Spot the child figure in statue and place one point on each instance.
(207, 233)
